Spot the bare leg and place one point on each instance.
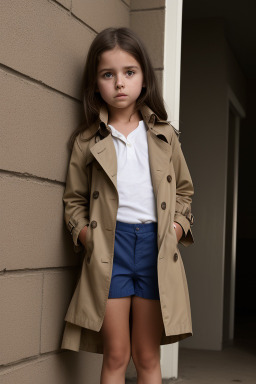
(147, 328)
(116, 339)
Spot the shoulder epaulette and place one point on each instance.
(177, 132)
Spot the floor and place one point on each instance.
(234, 364)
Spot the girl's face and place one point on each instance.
(119, 79)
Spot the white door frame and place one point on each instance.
(171, 94)
(172, 59)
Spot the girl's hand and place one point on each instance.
(179, 231)
(82, 235)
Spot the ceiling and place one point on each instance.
(240, 25)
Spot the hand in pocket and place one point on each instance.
(179, 231)
(82, 235)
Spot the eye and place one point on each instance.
(130, 73)
(107, 75)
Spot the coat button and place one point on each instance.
(163, 205)
(88, 259)
(175, 257)
(95, 194)
(93, 224)
(169, 178)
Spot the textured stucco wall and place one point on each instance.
(147, 19)
(43, 50)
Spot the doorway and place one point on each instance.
(231, 226)
(245, 303)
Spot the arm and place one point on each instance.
(184, 192)
(76, 195)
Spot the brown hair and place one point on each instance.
(128, 41)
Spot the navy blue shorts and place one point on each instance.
(135, 261)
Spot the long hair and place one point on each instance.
(128, 41)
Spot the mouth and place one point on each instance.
(120, 95)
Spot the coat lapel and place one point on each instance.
(160, 154)
(105, 153)
(159, 149)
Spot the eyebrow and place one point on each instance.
(111, 69)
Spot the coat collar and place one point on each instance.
(158, 136)
(158, 126)
(147, 114)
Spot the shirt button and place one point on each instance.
(129, 144)
(175, 257)
(93, 224)
(163, 205)
(169, 178)
(95, 194)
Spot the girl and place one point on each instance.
(127, 204)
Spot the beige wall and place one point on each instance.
(147, 20)
(208, 70)
(44, 45)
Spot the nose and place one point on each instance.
(119, 82)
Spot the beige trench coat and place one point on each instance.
(91, 198)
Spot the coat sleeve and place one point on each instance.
(184, 192)
(76, 196)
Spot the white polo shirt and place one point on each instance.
(136, 198)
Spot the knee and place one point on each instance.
(145, 359)
(117, 357)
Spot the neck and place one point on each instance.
(124, 116)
